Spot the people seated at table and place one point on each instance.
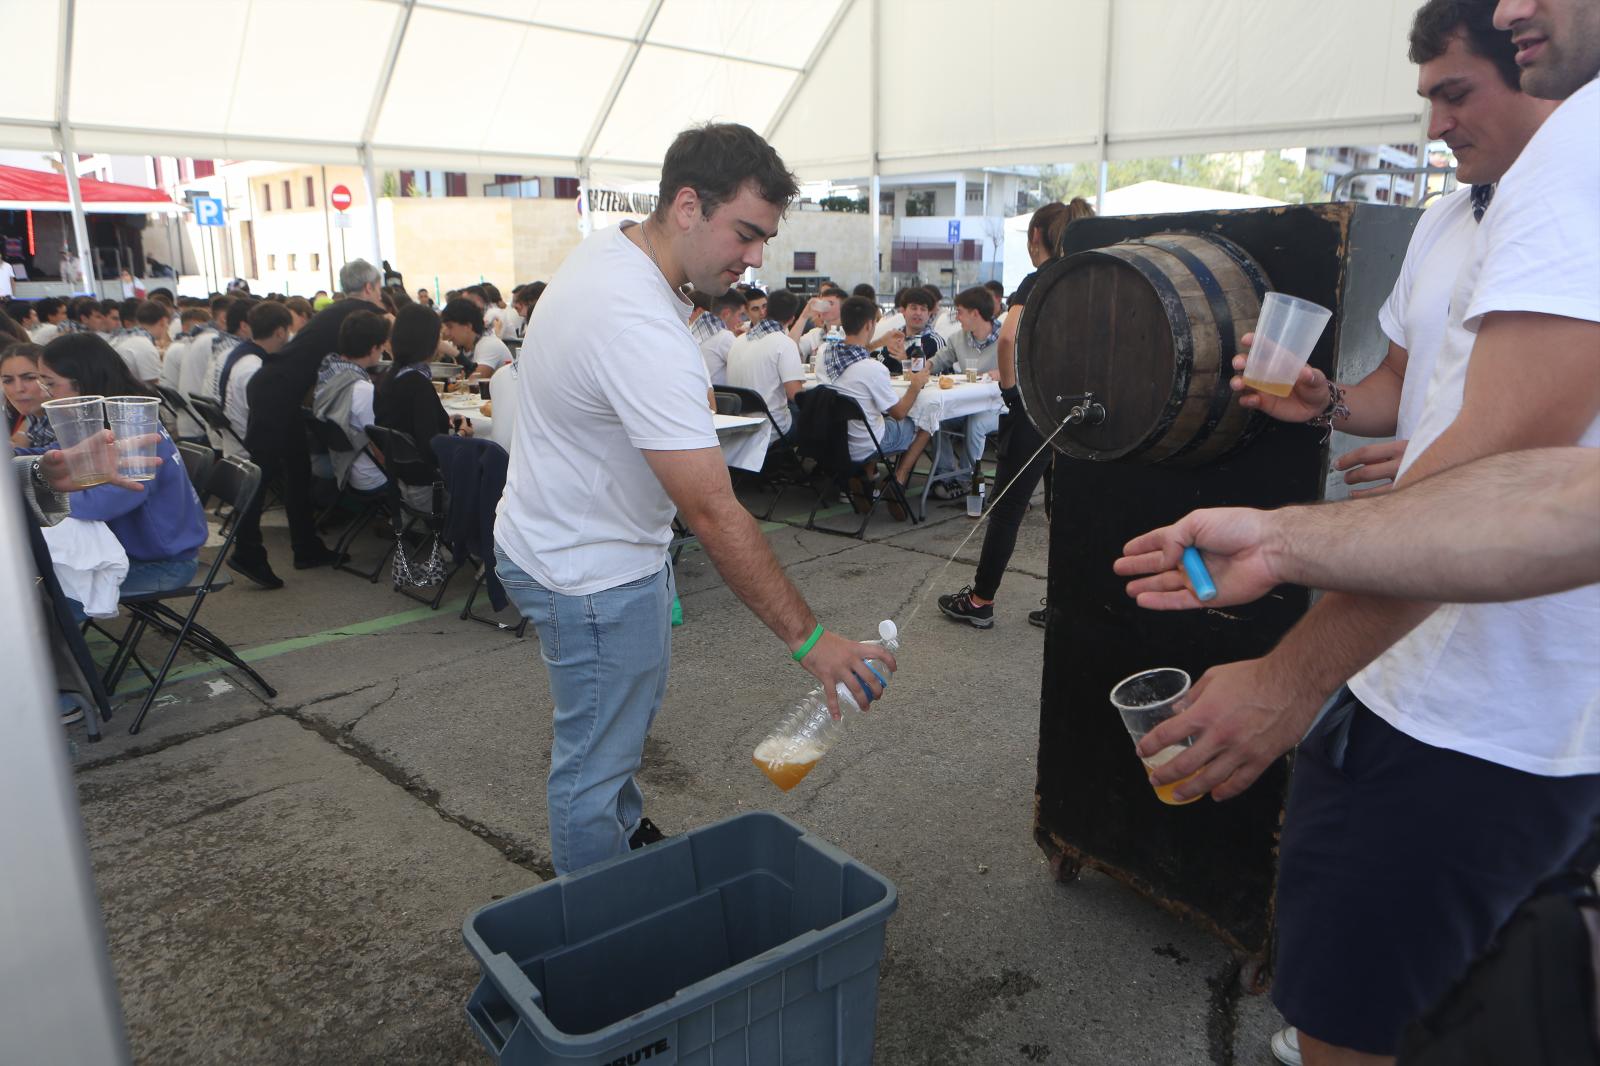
(818, 322)
(26, 423)
(22, 315)
(345, 395)
(160, 528)
(85, 314)
(142, 345)
(482, 353)
(52, 312)
(728, 312)
(852, 370)
(918, 339)
(766, 360)
(998, 292)
(525, 299)
(406, 400)
(974, 348)
(269, 325)
(755, 306)
(234, 332)
(895, 321)
(182, 373)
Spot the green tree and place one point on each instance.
(1277, 177)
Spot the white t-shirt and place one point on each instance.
(492, 352)
(44, 333)
(764, 364)
(364, 473)
(140, 355)
(1415, 314)
(811, 342)
(236, 405)
(1514, 683)
(600, 381)
(504, 396)
(867, 380)
(7, 275)
(511, 326)
(714, 350)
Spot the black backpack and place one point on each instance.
(1530, 998)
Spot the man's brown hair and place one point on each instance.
(716, 160)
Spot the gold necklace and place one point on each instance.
(649, 249)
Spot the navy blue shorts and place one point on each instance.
(1398, 862)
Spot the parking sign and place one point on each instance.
(208, 211)
(954, 236)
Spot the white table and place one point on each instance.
(744, 440)
(467, 407)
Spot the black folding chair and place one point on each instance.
(367, 503)
(174, 402)
(236, 481)
(198, 460)
(212, 414)
(824, 439)
(405, 465)
(782, 468)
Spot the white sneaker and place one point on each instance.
(1286, 1046)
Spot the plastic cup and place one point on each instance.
(136, 423)
(77, 422)
(1144, 701)
(1286, 333)
(972, 375)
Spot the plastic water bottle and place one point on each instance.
(793, 749)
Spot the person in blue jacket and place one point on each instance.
(161, 528)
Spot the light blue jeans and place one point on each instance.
(607, 655)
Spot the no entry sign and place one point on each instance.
(339, 197)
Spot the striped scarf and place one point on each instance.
(40, 435)
(334, 365)
(764, 327)
(839, 357)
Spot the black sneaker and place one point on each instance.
(959, 607)
(256, 570)
(645, 835)
(1039, 617)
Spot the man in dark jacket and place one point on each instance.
(276, 437)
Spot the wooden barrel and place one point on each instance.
(1150, 327)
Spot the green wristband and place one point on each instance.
(811, 642)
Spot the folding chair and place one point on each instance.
(198, 460)
(750, 403)
(236, 481)
(173, 400)
(403, 462)
(823, 438)
(474, 473)
(212, 414)
(368, 502)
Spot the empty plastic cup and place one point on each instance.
(136, 423)
(1144, 701)
(1286, 333)
(78, 422)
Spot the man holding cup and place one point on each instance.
(1460, 764)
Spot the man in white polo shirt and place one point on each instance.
(766, 360)
(613, 434)
(1461, 764)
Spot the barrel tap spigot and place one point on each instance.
(1085, 412)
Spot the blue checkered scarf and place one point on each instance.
(708, 325)
(40, 435)
(839, 357)
(764, 327)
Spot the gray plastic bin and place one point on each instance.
(748, 941)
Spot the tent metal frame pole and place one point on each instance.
(372, 202)
(610, 101)
(1105, 106)
(822, 44)
(69, 152)
(877, 225)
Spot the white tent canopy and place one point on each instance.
(601, 86)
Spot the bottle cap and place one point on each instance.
(887, 630)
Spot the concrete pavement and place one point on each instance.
(284, 879)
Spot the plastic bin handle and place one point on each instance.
(513, 983)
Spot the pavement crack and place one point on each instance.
(228, 804)
(86, 762)
(349, 727)
(1222, 1021)
(364, 753)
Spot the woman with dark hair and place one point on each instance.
(406, 401)
(162, 527)
(1021, 460)
(19, 376)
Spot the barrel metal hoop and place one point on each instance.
(1183, 346)
(1252, 270)
(1222, 316)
